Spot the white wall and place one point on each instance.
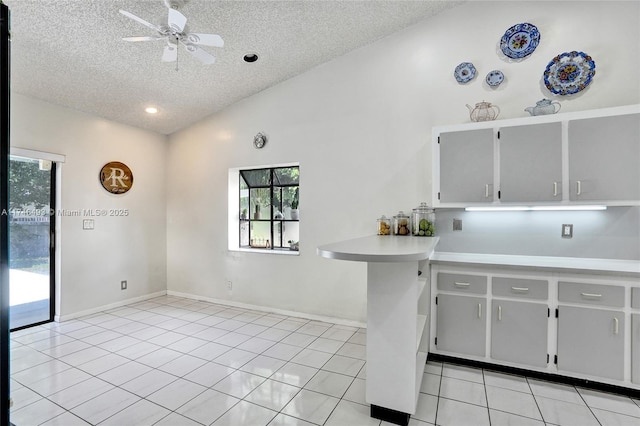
(132, 248)
(360, 128)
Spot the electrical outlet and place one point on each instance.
(567, 231)
(457, 224)
(229, 286)
(123, 285)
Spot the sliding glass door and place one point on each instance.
(31, 237)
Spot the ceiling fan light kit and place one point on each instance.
(175, 32)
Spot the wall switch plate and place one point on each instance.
(457, 224)
(123, 285)
(87, 224)
(567, 231)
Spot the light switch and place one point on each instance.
(567, 231)
(87, 224)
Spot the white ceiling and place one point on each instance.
(71, 52)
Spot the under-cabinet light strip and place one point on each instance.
(534, 208)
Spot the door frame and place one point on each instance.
(54, 227)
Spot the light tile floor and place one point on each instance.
(172, 361)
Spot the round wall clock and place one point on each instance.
(259, 140)
(116, 177)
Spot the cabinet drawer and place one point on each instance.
(475, 284)
(635, 297)
(591, 294)
(521, 288)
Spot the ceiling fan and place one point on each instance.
(175, 32)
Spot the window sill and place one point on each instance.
(281, 252)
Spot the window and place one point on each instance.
(268, 208)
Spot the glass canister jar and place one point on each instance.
(384, 226)
(401, 224)
(423, 220)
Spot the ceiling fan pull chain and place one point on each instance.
(177, 53)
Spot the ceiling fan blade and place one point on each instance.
(177, 20)
(170, 53)
(202, 55)
(140, 20)
(205, 39)
(143, 38)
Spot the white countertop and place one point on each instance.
(551, 262)
(381, 248)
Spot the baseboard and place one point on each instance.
(62, 318)
(305, 315)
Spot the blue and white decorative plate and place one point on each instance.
(494, 78)
(520, 40)
(464, 72)
(569, 73)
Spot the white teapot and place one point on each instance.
(544, 107)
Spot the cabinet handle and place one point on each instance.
(616, 325)
(578, 187)
(523, 289)
(499, 313)
(555, 189)
(486, 191)
(457, 284)
(479, 310)
(591, 295)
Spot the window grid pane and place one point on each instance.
(267, 197)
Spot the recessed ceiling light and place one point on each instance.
(250, 57)
(151, 110)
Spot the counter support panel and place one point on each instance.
(394, 366)
(392, 309)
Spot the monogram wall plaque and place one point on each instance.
(116, 177)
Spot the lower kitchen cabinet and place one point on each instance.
(461, 324)
(635, 348)
(519, 332)
(591, 341)
(579, 324)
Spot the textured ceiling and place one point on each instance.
(71, 52)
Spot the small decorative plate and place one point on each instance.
(494, 78)
(464, 72)
(569, 73)
(259, 140)
(520, 40)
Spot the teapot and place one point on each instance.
(483, 111)
(544, 107)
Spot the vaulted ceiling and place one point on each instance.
(71, 52)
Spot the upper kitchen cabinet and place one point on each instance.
(466, 166)
(531, 163)
(604, 158)
(584, 157)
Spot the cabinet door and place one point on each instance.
(591, 341)
(635, 348)
(604, 158)
(519, 332)
(531, 163)
(466, 166)
(461, 324)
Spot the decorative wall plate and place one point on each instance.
(465, 72)
(259, 140)
(520, 40)
(116, 177)
(494, 78)
(569, 73)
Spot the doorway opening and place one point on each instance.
(32, 184)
